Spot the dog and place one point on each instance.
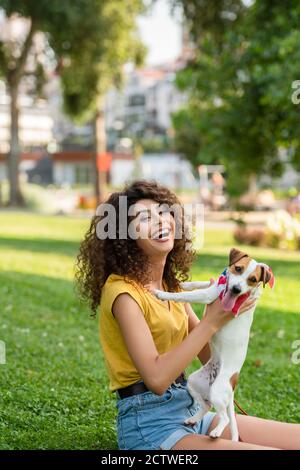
(213, 385)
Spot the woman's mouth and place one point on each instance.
(162, 235)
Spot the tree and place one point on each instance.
(84, 40)
(239, 85)
(99, 66)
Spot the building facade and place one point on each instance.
(143, 108)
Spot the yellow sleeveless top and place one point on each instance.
(168, 328)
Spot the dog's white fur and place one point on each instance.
(210, 385)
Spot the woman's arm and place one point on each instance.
(158, 371)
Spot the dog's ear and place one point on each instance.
(267, 275)
(235, 255)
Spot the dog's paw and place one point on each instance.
(191, 421)
(214, 434)
(160, 294)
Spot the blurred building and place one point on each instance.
(35, 123)
(167, 169)
(55, 150)
(35, 132)
(35, 120)
(78, 167)
(143, 107)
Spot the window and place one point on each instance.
(136, 100)
(83, 174)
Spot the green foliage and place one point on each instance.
(97, 55)
(157, 144)
(88, 40)
(240, 87)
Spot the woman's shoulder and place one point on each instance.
(119, 281)
(117, 284)
(114, 278)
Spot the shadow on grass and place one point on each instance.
(41, 245)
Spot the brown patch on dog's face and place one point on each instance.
(255, 277)
(240, 266)
(236, 255)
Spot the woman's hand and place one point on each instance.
(249, 303)
(217, 317)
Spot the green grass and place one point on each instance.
(54, 387)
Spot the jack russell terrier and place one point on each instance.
(213, 385)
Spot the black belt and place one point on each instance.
(140, 387)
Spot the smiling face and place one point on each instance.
(155, 228)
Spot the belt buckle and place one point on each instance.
(179, 384)
(176, 384)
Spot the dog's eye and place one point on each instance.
(238, 269)
(252, 279)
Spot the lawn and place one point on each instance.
(54, 388)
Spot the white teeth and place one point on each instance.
(162, 234)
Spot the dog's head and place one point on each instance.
(243, 275)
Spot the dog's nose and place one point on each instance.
(236, 290)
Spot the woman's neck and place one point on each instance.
(156, 273)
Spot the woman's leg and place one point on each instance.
(256, 434)
(265, 432)
(201, 442)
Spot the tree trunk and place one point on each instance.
(96, 180)
(15, 195)
(99, 148)
(14, 78)
(252, 188)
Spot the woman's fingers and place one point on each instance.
(247, 305)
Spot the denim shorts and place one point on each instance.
(150, 422)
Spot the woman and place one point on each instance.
(129, 250)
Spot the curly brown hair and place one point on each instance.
(98, 258)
